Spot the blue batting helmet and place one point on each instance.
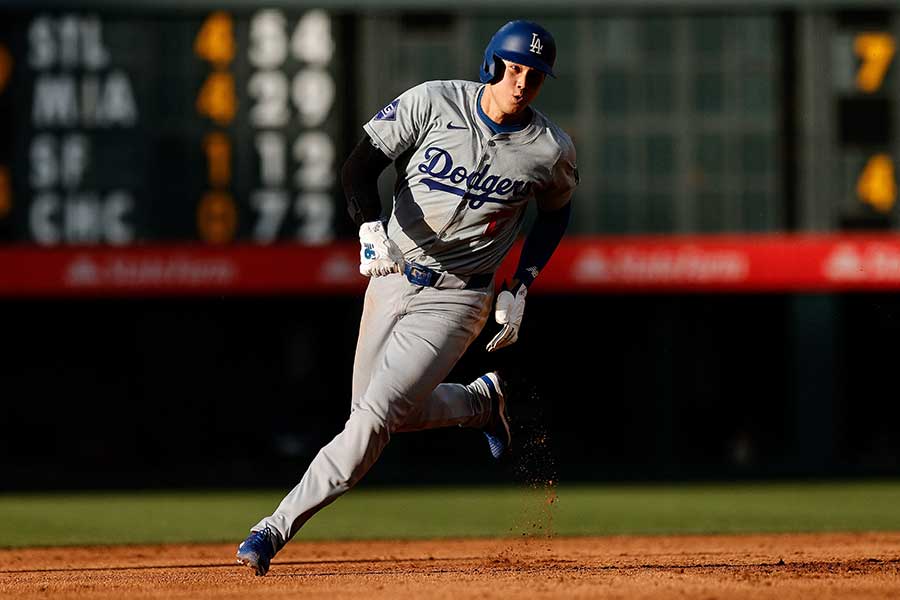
(520, 42)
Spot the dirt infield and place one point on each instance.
(818, 566)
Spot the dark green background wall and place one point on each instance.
(230, 392)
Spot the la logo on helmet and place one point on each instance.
(536, 45)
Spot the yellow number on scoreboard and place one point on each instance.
(217, 98)
(6, 63)
(217, 218)
(876, 51)
(876, 185)
(218, 158)
(5, 192)
(215, 40)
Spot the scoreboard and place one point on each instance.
(195, 147)
(126, 127)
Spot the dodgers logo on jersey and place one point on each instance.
(536, 46)
(389, 112)
(439, 165)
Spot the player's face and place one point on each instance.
(519, 86)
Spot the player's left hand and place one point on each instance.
(509, 312)
(378, 254)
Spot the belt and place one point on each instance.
(419, 275)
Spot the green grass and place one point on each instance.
(156, 517)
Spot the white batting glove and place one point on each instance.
(378, 254)
(509, 312)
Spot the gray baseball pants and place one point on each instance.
(410, 337)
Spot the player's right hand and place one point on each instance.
(378, 254)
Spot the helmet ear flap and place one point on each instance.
(492, 69)
(498, 70)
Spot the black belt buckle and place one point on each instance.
(420, 275)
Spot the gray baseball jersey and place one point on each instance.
(462, 190)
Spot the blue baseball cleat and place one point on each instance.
(497, 429)
(257, 551)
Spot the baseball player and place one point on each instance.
(469, 158)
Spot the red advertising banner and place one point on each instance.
(180, 270)
(744, 263)
(644, 264)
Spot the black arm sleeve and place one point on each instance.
(542, 240)
(359, 177)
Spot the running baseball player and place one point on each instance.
(469, 158)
